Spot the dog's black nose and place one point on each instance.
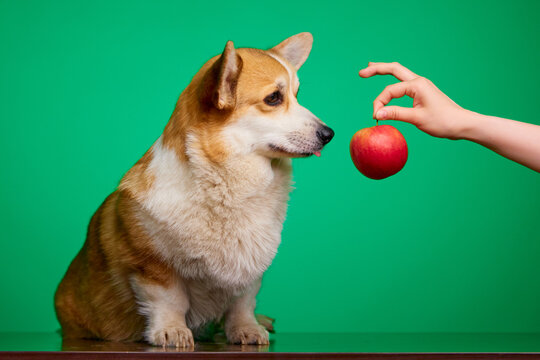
(325, 134)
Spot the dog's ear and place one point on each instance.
(219, 84)
(295, 49)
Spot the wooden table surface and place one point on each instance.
(287, 346)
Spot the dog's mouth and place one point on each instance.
(290, 153)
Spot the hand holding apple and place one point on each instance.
(379, 151)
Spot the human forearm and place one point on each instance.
(514, 140)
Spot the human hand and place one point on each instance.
(433, 112)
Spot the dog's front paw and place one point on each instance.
(248, 334)
(181, 337)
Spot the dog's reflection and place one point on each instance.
(107, 346)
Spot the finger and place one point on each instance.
(396, 69)
(394, 91)
(398, 113)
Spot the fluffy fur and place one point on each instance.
(194, 224)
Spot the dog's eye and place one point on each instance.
(274, 99)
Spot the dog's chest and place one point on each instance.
(218, 232)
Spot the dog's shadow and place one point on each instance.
(77, 345)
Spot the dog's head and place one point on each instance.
(248, 96)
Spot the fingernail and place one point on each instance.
(381, 114)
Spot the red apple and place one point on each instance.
(379, 151)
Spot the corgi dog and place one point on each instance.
(186, 238)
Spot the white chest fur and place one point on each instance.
(218, 224)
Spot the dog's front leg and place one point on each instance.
(241, 327)
(165, 307)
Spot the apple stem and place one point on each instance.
(377, 122)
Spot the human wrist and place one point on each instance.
(469, 125)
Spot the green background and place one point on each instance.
(450, 244)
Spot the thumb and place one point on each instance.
(397, 113)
